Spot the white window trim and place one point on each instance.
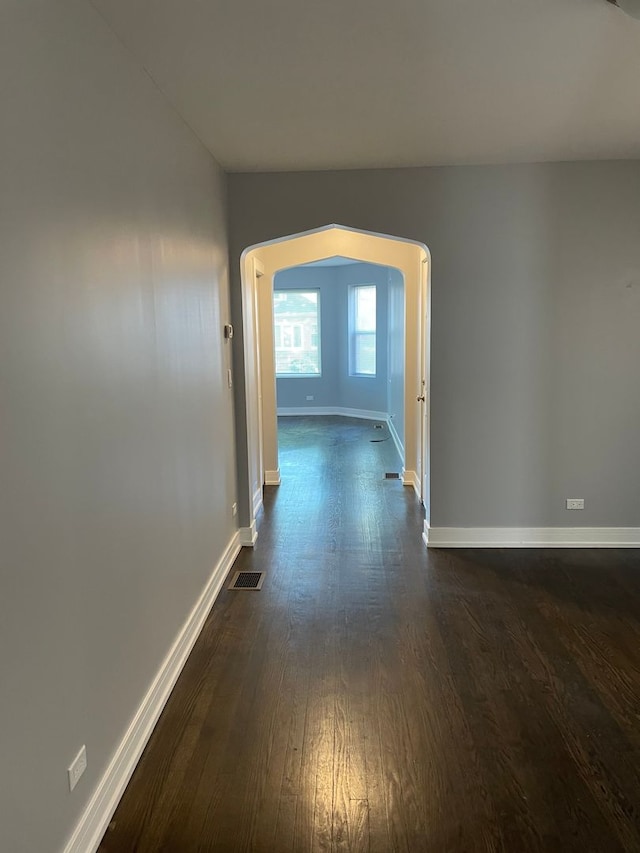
(291, 326)
(353, 333)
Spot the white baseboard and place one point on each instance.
(531, 537)
(396, 438)
(248, 535)
(95, 819)
(410, 478)
(365, 414)
(272, 478)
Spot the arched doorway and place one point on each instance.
(259, 264)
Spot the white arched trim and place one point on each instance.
(259, 264)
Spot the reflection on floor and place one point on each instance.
(375, 696)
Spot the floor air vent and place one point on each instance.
(391, 475)
(247, 580)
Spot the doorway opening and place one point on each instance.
(338, 329)
(260, 264)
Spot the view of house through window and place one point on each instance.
(296, 329)
(362, 330)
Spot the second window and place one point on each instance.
(362, 330)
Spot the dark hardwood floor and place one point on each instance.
(374, 696)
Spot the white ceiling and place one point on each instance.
(298, 84)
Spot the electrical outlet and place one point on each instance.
(77, 768)
(234, 509)
(575, 503)
(309, 397)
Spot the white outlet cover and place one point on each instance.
(575, 503)
(77, 768)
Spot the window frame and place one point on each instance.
(355, 333)
(297, 326)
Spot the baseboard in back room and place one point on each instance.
(396, 438)
(285, 411)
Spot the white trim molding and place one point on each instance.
(256, 503)
(272, 478)
(93, 824)
(410, 478)
(531, 537)
(396, 438)
(365, 414)
(248, 535)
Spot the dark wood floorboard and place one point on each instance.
(377, 697)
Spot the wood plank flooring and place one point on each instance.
(374, 696)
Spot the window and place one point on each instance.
(296, 324)
(362, 330)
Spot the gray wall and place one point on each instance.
(335, 388)
(117, 454)
(535, 312)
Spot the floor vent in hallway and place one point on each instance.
(247, 580)
(391, 475)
